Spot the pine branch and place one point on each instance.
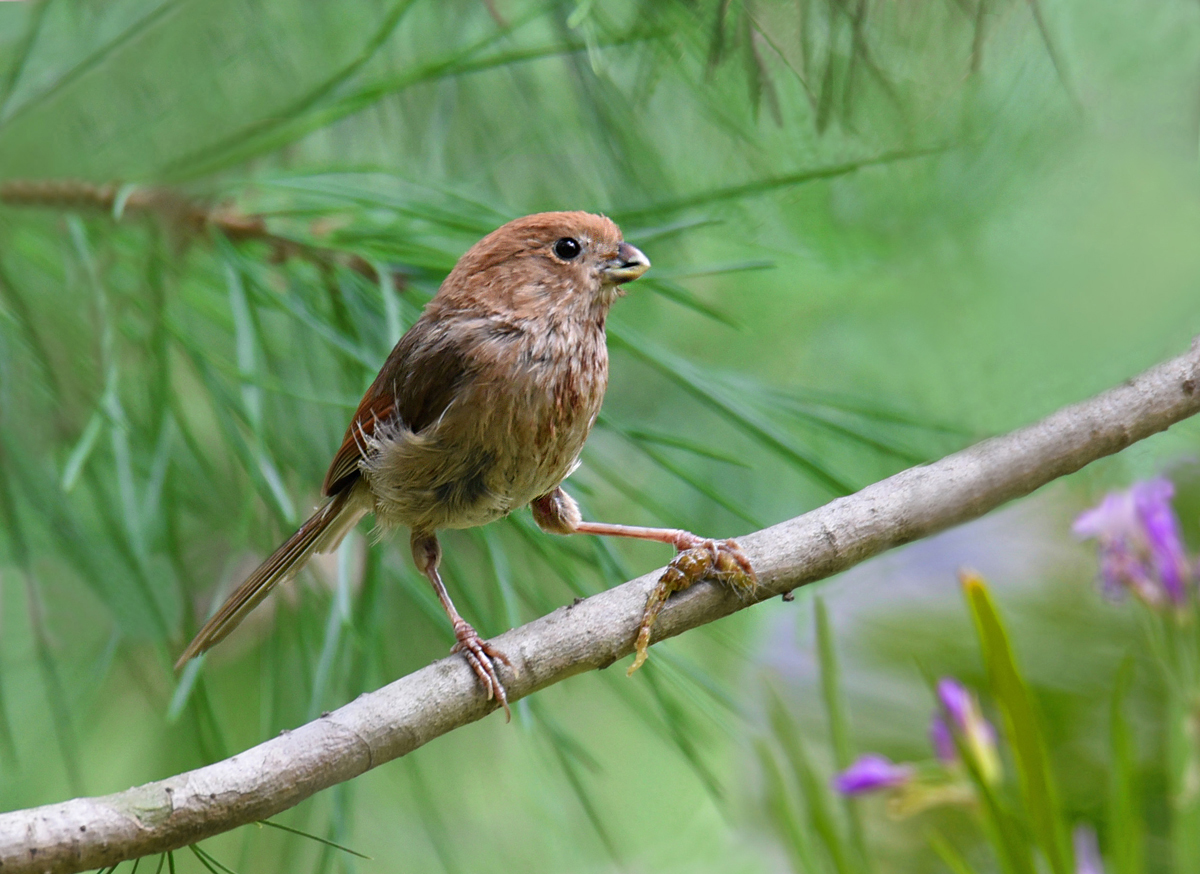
(186, 219)
(88, 833)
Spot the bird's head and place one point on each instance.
(572, 263)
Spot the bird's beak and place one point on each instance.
(629, 264)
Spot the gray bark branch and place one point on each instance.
(87, 833)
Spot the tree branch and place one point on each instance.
(185, 218)
(380, 726)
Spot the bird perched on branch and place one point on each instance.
(483, 407)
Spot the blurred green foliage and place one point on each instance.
(878, 231)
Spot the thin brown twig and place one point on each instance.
(186, 218)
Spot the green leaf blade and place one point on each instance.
(1012, 694)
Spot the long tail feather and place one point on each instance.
(322, 532)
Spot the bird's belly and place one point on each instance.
(460, 477)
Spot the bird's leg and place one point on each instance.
(480, 655)
(698, 557)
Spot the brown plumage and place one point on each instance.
(482, 407)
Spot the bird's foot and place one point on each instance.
(482, 658)
(698, 559)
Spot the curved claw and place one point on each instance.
(731, 565)
(481, 656)
(720, 559)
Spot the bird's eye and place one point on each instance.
(567, 248)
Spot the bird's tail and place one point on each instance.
(322, 532)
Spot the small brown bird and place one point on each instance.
(483, 407)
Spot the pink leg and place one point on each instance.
(677, 537)
(698, 557)
(480, 654)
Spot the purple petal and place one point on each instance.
(1087, 851)
(942, 740)
(1159, 491)
(871, 773)
(1113, 566)
(956, 699)
(1120, 569)
(1161, 528)
(1114, 518)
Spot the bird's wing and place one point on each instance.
(375, 407)
(416, 384)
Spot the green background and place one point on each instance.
(879, 231)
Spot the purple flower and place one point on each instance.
(960, 715)
(1087, 851)
(871, 773)
(1153, 502)
(956, 699)
(942, 740)
(1141, 548)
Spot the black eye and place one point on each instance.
(567, 248)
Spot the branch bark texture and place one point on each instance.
(87, 833)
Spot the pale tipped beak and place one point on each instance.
(629, 264)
